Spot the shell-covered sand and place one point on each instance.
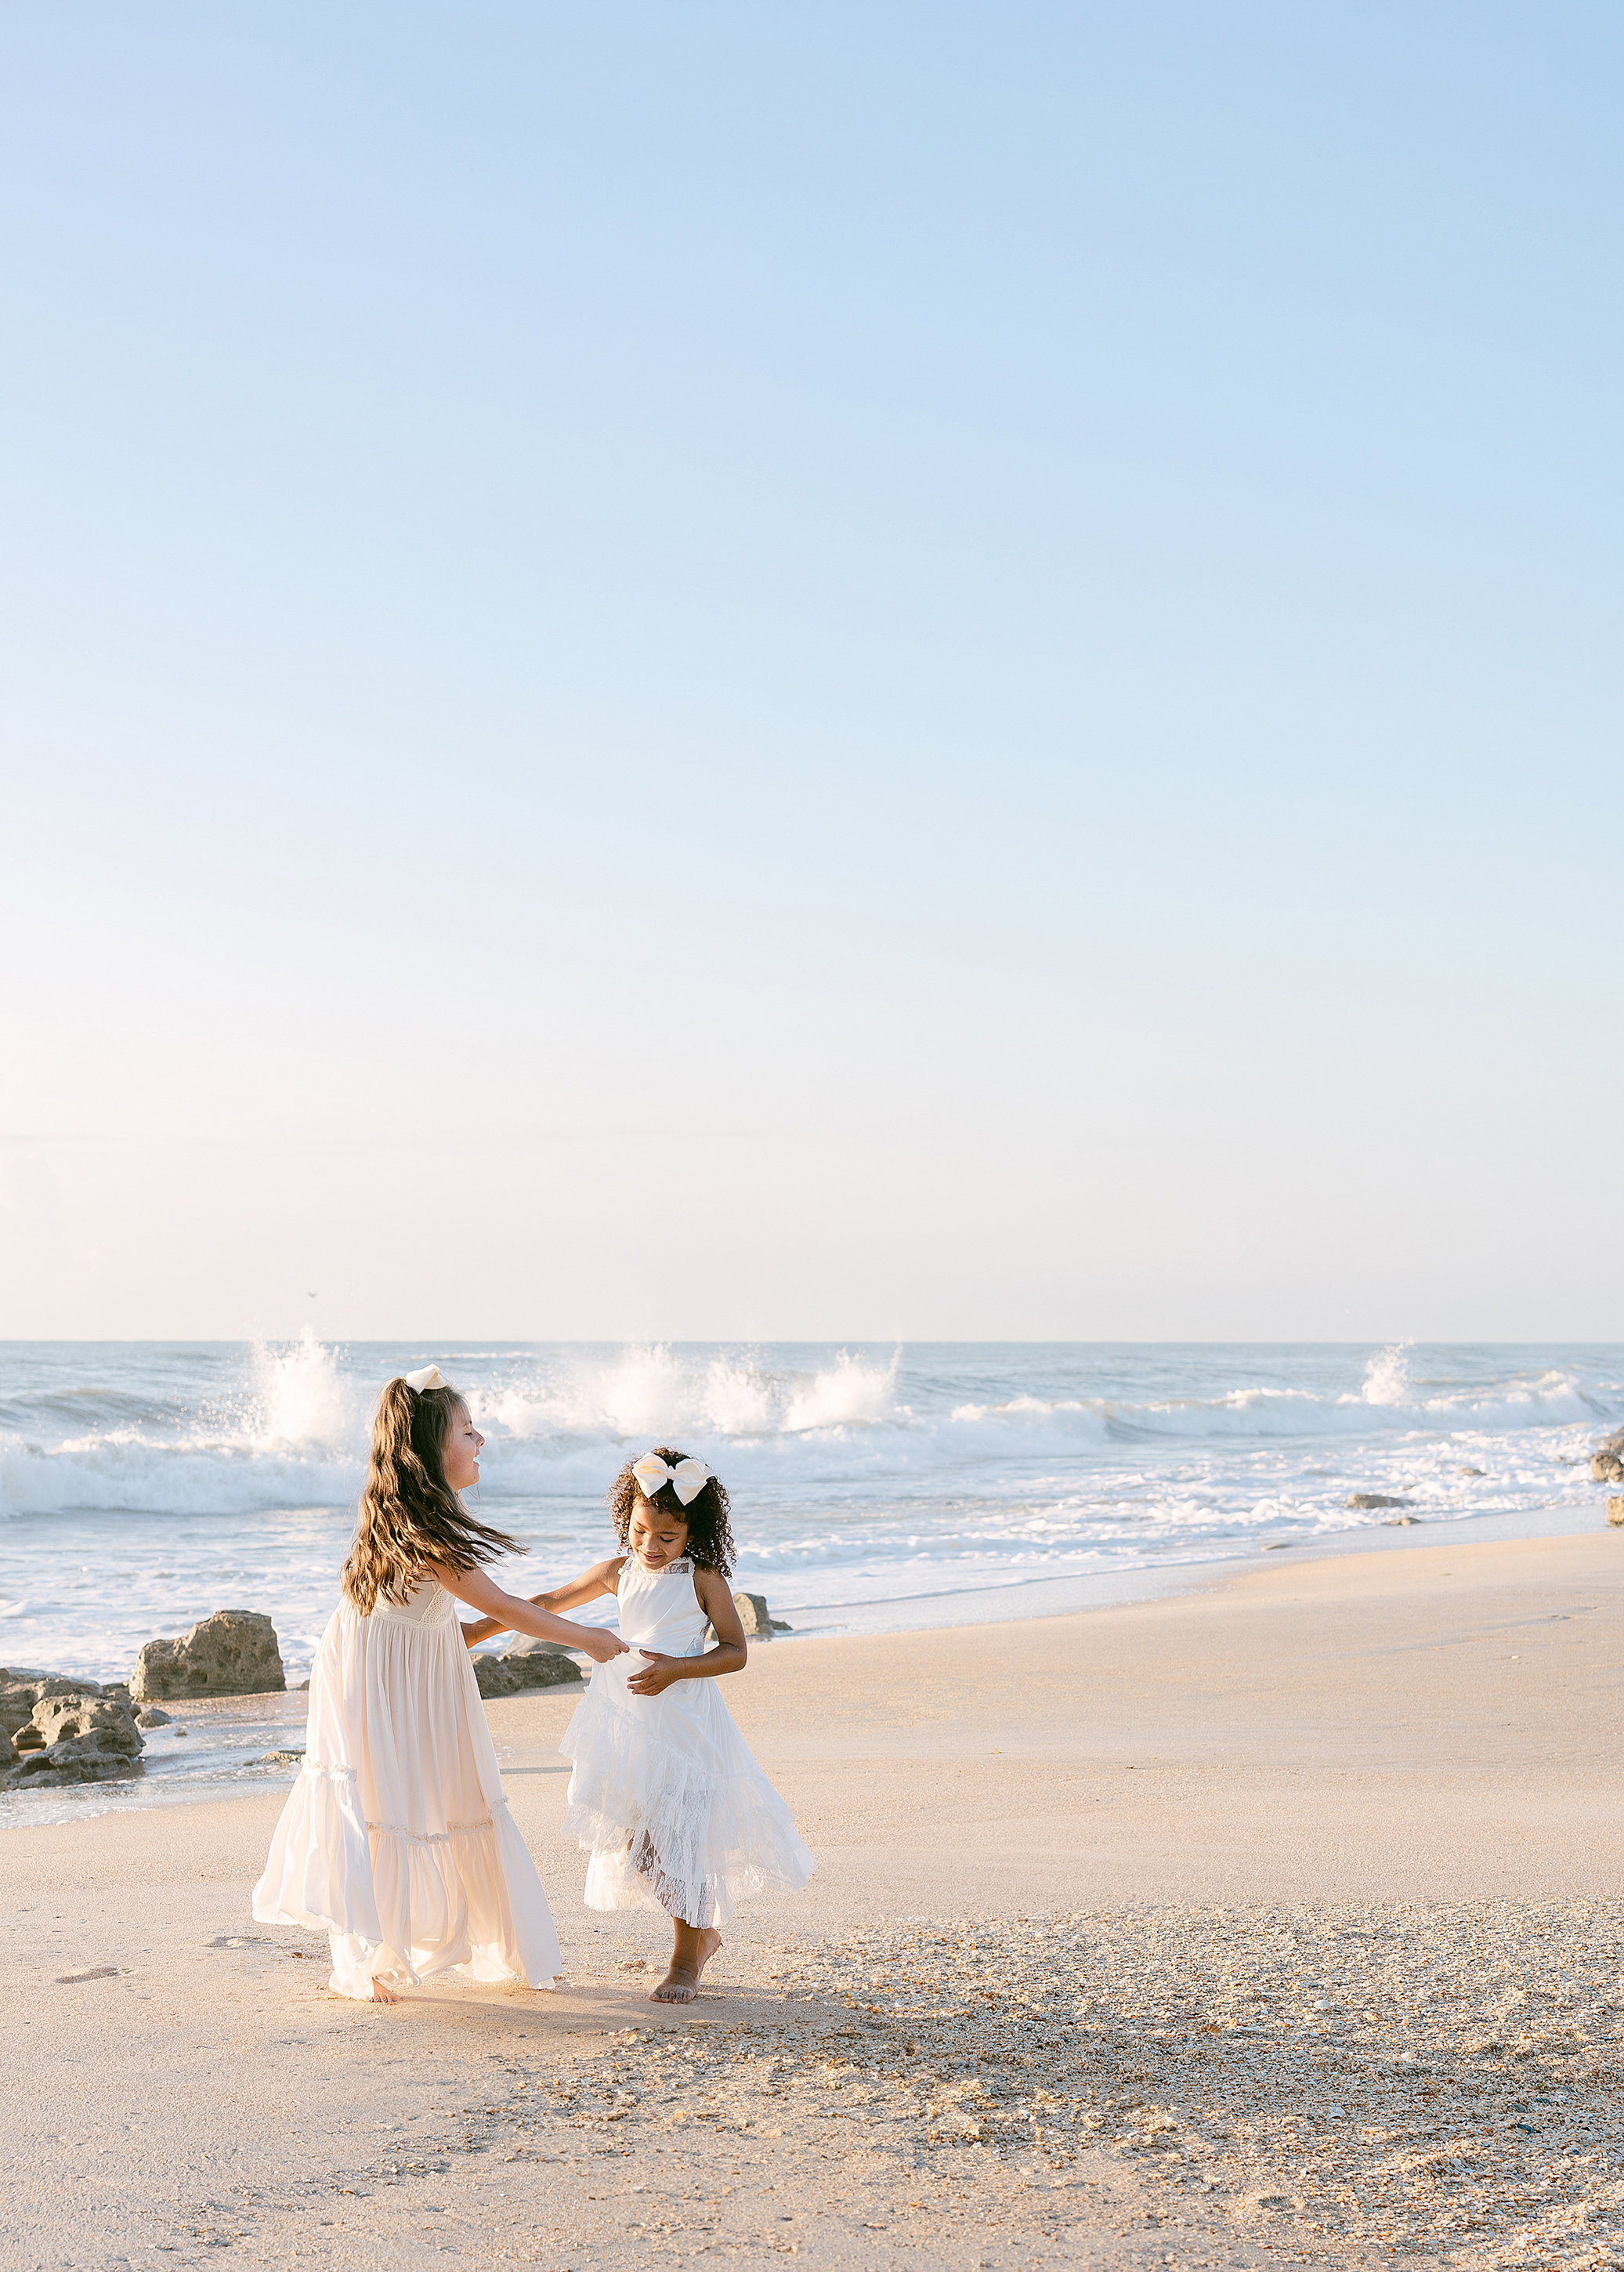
(1432, 2078)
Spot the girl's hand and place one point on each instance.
(600, 1644)
(655, 1675)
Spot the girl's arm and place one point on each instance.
(481, 1592)
(656, 1672)
(601, 1578)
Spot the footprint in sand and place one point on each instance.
(95, 1972)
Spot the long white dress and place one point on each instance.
(664, 1793)
(397, 1836)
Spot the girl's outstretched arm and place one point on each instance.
(656, 1673)
(601, 1579)
(481, 1592)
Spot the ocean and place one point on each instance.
(142, 1485)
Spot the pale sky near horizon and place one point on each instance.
(735, 672)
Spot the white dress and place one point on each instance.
(397, 1836)
(663, 1792)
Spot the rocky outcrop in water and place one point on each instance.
(229, 1653)
(21, 1692)
(59, 1731)
(1607, 1460)
(1364, 1501)
(752, 1615)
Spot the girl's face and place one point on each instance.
(654, 1537)
(463, 1447)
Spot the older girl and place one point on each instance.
(397, 1836)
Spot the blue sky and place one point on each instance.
(943, 671)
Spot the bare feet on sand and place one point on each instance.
(382, 1995)
(689, 1958)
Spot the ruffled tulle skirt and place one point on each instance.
(666, 1797)
(397, 1838)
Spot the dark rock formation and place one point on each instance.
(753, 1616)
(78, 1737)
(528, 1664)
(1367, 1499)
(494, 1676)
(21, 1692)
(230, 1653)
(1607, 1460)
(540, 1664)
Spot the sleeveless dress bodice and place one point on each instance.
(660, 1610)
(427, 1605)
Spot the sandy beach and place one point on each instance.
(1270, 1923)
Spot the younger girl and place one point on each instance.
(665, 1794)
(397, 1836)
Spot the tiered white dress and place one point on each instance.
(397, 1836)
(663, 1792)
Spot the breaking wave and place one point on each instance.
(289, 1430)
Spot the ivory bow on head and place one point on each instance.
(428, 1379)
(688, 1478)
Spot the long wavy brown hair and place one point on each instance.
(708, 1516)
(410, 1516)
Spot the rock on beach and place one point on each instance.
(752, 1615)
(229, 1653)
(1365, 1500)
(526, 1663)
(21, 1692)
(1615, 1510)
(1607, 1460)
(59, 1731)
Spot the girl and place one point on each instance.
(663, 1793)
(397, 1836)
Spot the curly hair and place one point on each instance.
(710, 1536)
(410, 1516)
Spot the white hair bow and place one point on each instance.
(428, 1379)
(688, 1478)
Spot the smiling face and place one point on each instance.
(655, 1536)
(459, 1460)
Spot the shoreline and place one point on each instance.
(223, 1722)
(1152, 1581)
(1018, 1599)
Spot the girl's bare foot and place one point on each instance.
(692, 1953)
(382, 1995)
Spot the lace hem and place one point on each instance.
(695, 1855)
